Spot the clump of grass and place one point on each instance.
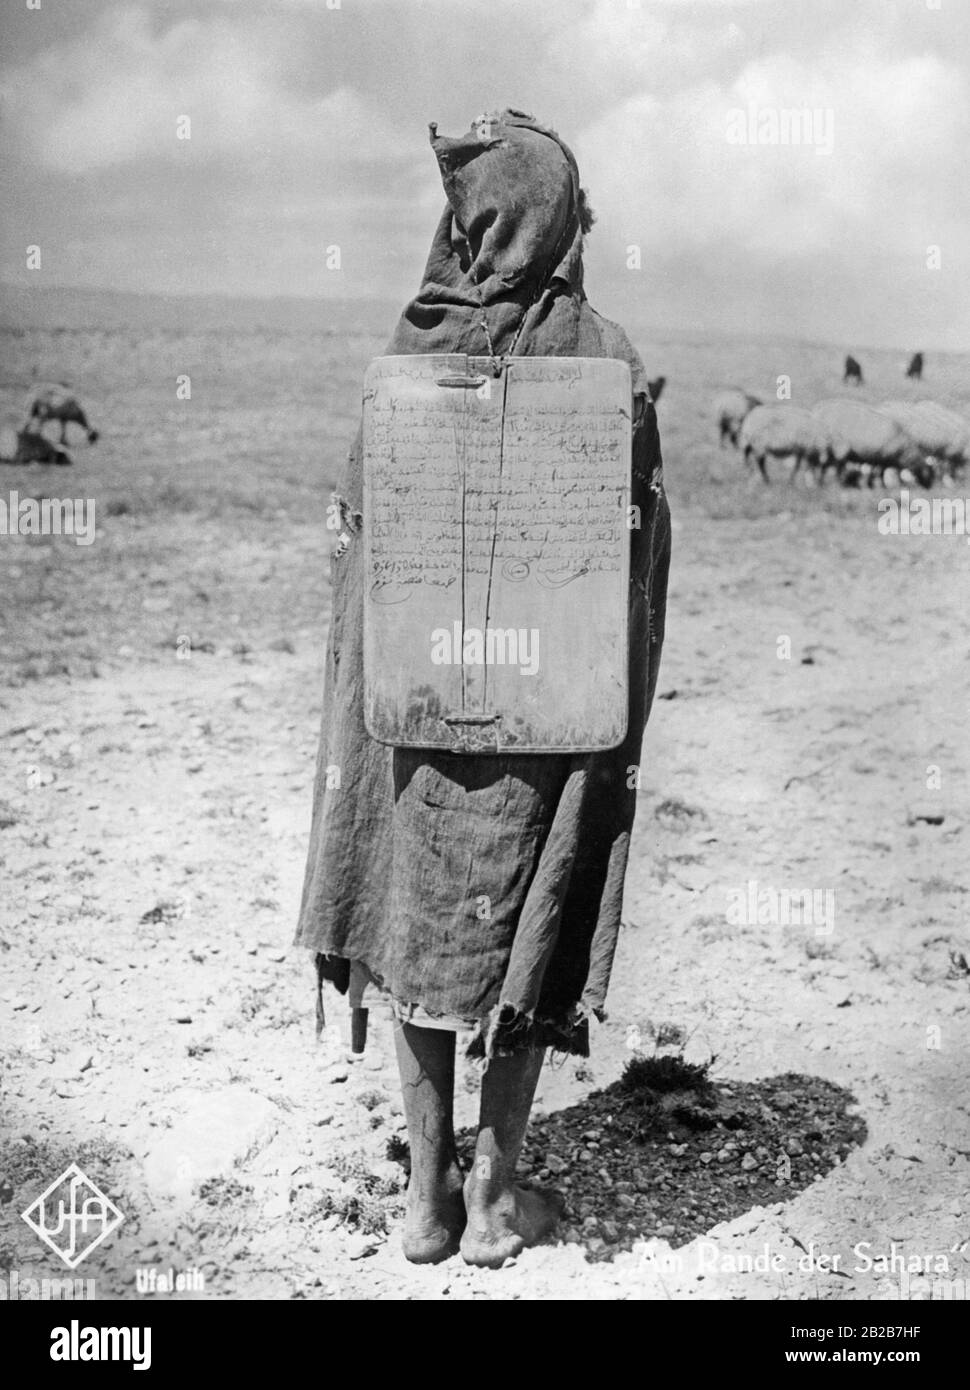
(252, 1003)
(370, 1100)
(670, 1035)
(816, 949)
(352, 1168)
(367, 1203)
(397, 1150)
(361, 1213)
(678, 812)
(222, 1192)
(658, 1076)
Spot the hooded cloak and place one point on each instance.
(487, 889)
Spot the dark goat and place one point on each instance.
(853, 371)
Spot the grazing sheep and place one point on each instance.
(730, 408)
(656, 388)
(941, 433)
(915, 368)
(59, 403)
(31, 447)
(784, 431)
(864, 436)
(853, 371)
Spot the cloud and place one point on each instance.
(666, 175)
(308, 128)
(115, 96)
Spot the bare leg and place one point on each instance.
(436, 1214)
(503, 1218)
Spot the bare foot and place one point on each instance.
(433, 1225)
(499, 1230)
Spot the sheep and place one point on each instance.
(784, 431)
(29, 446)
(60, 404)
(730, 408)
(939, 432)
(865, 436)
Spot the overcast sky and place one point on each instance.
(309, 129)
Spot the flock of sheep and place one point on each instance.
(921, 443)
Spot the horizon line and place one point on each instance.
(282, 297)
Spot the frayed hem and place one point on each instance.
(504, 1031)
(508, 1030)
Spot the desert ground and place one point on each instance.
(159, 707)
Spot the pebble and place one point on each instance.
(359, 1245)
(555, 1164)
(748, 1162)
(71, 1067)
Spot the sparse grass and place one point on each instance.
(679, 814)
(817, 949)
(370, 1100)
(252, 1003)
(223, 1192)
(369, 1204)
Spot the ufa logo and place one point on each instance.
(73, 1216)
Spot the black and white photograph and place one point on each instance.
(485, 664)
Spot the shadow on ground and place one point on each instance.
(667, 1152)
